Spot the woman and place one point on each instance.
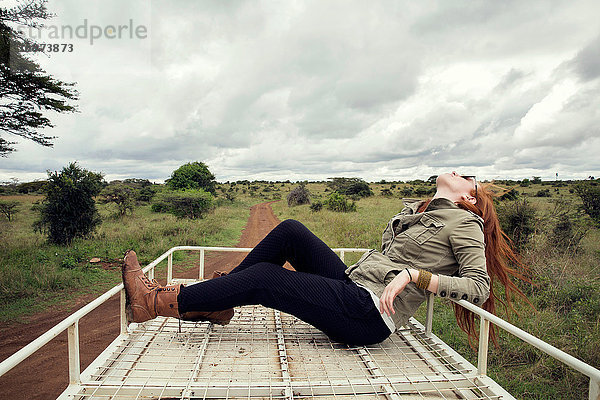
(450, 245)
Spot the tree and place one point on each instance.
(194, 175)
(69, 210)
(25, 89)
(121, 195)
(350, 186)
(9, 208)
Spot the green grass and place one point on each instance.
(35, 275)
(567, 295)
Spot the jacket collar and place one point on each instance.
(440, 203)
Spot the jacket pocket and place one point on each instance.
(361, 259)
(425, 229)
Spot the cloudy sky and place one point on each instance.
(315, 89)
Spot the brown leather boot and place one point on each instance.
(146, 299)
(216, 317)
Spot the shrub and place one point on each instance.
(386, 192)
(146, 193)
(184, 203)
(407, 191)
(518, 219)
(543, 193)
(566, 227)
(316, 206)
(69, 210)
(194, 175)
(525, 182)
(589, 192)
(298, 196)
(537, 180)
(424, 191)
(338, 202)
(512, 194)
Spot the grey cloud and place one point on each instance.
(587, 62)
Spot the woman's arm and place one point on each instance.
(397, 285)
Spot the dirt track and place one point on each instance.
(45, 374)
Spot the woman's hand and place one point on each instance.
(396, 286)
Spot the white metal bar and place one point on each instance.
(170, 269)
(376, 373)
(122, 306)
(594, 390)
(568, 359)
(435, 364)
(187, 392)
(484, 338)
(459, 360)
(342, 254)
(201, 266)
(74, 364)
(26, 351)
(429, 315)
(283, 358)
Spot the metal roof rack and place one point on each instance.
(266, 354)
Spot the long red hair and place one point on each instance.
(502, 262)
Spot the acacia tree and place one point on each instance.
(26, 90)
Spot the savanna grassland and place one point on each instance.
(564, 266)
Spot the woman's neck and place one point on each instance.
(446, 194)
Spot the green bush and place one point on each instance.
(338, 202)
(316, 206)
(184, 203)
(512, 194)
(194, 175)
(407, 191)
(518, 219)
(566, 226)
(543, 193)
(69, 210)
(589, 192)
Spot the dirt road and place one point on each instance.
(45, 374)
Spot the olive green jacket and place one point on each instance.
(444, 239)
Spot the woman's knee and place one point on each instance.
(292, 227)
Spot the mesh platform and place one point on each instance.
(265, 354)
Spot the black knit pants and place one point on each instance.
(318, 292)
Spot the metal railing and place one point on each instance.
(71, 324)
(486, 317)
